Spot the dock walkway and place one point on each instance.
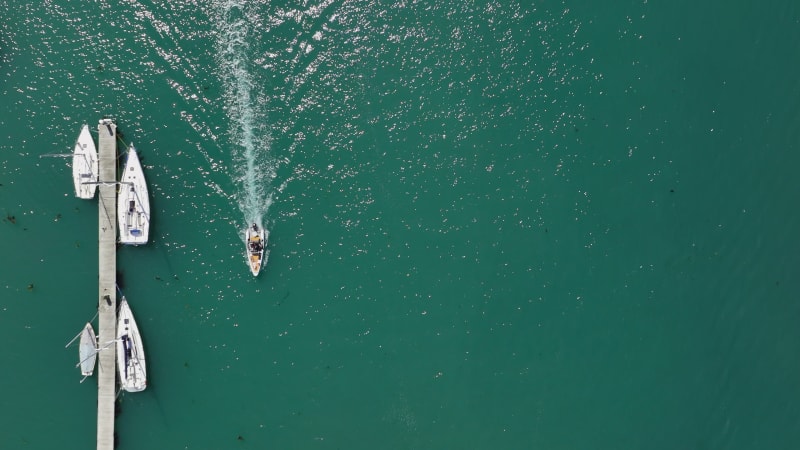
(107, 309)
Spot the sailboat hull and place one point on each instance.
(133, 204)
(87, 350)
(130, 351)
(85, 165)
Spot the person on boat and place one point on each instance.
(255, 243)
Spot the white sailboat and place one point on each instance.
(87, 351)
(130, 351)
(85, 168)
(133, 204)
(256, 239)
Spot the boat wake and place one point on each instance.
(252, 165)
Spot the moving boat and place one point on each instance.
(85, 167)
(87, 351)
(133, 205)
(256, 241)
(130, 351)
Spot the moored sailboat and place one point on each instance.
(85, 165)
(87, 351)
(133, 204)
(130, 351)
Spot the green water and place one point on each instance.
(493, 225)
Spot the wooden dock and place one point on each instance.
(107, 310)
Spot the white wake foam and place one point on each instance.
(252, 164)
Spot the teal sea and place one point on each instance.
(493, 225)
